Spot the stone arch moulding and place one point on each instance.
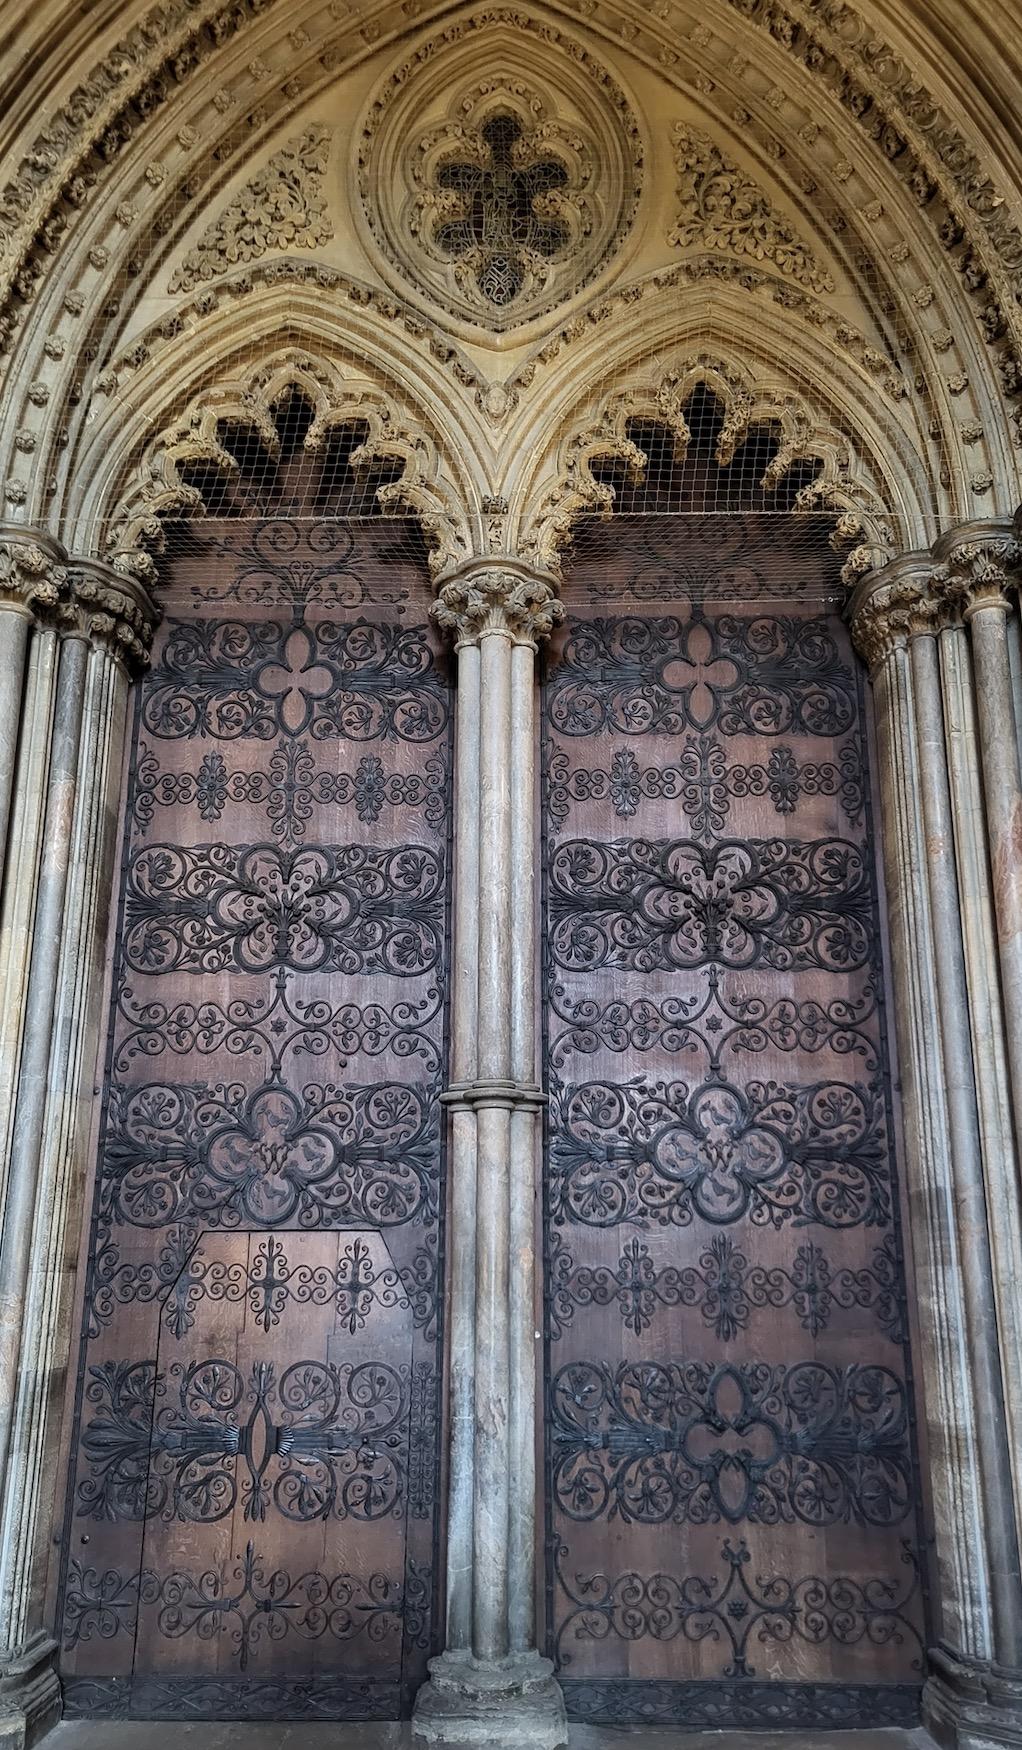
(874, 475)
(131, 480)
(96, 236)
(509, 95)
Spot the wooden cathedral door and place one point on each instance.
(731, 1486)
(251, 1527)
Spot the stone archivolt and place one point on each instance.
(281, 208)
(721, 207)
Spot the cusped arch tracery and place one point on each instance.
(294, 436)
(653, 446)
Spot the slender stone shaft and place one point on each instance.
(944, 1354)
(462, 1193)
(76, 1016)
(986, 1018)
(494, 1023)
(24, 842)
(490, 1638)
(15, 623)
(19, 1212)
(522, 1228)
(1002, 784)
(494, 1688)
(980, 1305)
(492, 1384)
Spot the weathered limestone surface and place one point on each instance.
(491, 1687)
(88, 633)
(934, 628)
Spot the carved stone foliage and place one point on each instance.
(87, 598)
(499, 197)
(284, 207)
(720, 206)
(264, 1305)
(492, 597)
(724, 1282)
(295, 437)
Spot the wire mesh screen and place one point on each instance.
(267, 215)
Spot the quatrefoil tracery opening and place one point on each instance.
(501, 210)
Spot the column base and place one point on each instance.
(30, 1700)
(506, 1704)
(972, 1705)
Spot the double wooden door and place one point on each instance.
(251, 1527)
(253, 1520)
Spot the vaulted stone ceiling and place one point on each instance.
(877, 141)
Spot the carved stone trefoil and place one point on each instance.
(283, 207)
(721, 207)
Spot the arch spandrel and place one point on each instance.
(901, 298)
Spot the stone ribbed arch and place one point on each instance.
(177, 138)
(875, 482)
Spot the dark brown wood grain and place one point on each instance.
(253, 1501)
(730, 1462)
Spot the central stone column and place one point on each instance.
(490, 1686)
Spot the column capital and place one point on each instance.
(977, 564)
(111, 608)
(33, 569)
(894, 604)
(502, 596)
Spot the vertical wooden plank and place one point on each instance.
(730, 1464)
(267, 1254)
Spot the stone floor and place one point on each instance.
(102, 1735)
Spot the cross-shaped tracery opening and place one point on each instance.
(502, 218)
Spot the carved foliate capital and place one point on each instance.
(977, 565)
(893, 605)
(31, 575)
(492, 598)
(111, 609)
